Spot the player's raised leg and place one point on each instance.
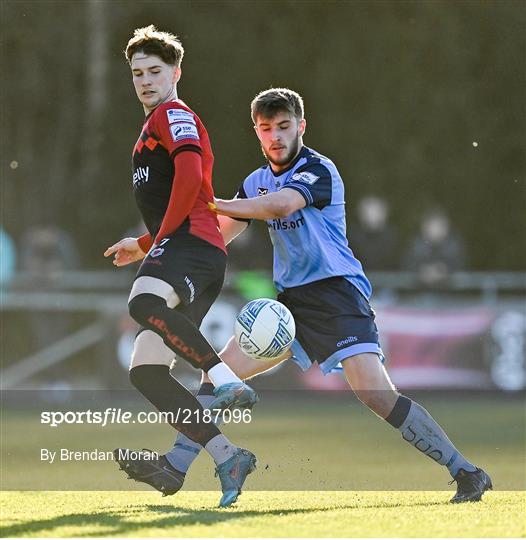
(244, 367)
(371, 384)
(152, 304)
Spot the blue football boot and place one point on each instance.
(234, 395)
(233, 473)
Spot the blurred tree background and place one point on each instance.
(396, 92)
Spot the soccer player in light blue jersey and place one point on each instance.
(299, 193)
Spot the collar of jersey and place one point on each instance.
(304, 152)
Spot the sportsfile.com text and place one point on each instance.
(113, 415)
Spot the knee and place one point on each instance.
(134, 376)
(149, 349)
(380, 402)
(140, 307)
(371, 383)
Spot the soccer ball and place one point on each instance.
(264, 329)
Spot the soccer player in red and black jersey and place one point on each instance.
(182, 272)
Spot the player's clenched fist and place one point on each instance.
(125, 251)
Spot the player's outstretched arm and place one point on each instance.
(125, 251)
(271, 206)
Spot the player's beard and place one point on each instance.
(294, 147)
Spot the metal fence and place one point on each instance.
(73, 330)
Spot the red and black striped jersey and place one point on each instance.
(170, 129)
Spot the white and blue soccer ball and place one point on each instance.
(264, 329)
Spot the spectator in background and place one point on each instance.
(7, 258)
(437, 251)
(46, 252)
(373, 239)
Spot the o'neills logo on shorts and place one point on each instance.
(347, 341)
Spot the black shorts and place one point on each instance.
(333, 321)
(192, 266)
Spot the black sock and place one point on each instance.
(168, 395)
(178, 332)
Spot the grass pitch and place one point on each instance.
(316, 444)
(261, 514)
(346, 474)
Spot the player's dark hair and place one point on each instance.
(269, 102)
(149, 40)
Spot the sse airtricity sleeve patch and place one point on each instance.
(181, 131)
(314, 182)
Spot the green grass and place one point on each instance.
(305, 445)
(261, 514)
(327, 467)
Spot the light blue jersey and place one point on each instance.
(310, 244)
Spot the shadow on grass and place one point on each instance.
(115, 522)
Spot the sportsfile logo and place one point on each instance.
(113, 415)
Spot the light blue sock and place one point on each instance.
(420, 430)
(184, 451)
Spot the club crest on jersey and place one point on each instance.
(262, 191)
(182, 131)
(306, 177)
(178, 115)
